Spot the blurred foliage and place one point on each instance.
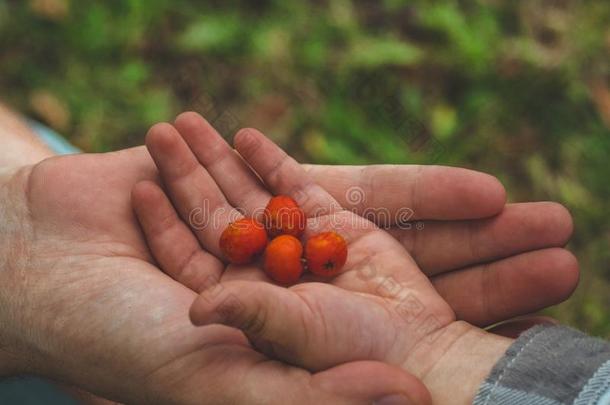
(516, 88)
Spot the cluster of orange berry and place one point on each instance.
(285, 259)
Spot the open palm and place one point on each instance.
(384, 306)
(88, 307)
(84, 301)
(488, 269)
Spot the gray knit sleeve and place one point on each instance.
(550, 365)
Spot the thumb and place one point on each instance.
(371, 382)
(313, 325)
(276, 320)
(279, 322)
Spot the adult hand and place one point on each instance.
(75, 267)
(311, 324)
(489, 261)
(83, 304)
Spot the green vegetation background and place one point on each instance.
(519, 89)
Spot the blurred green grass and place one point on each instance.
(517, 89)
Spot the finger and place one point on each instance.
(515, 327)
(280, 324)
(359, 383)
(282, 174)
(197, 198)
(242, 188)
(431, 192)
(522, 284)
(443, 246)
(171, 242)
(235, 374)
(373, 382)
(289, 324)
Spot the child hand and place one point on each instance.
(382, 307)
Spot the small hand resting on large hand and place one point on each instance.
(382, 307)
(83, 301)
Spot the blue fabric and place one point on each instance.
(597, 388)
(605, 399)
(494, 394)
(32, 390)
(53, 140)
(550, 365)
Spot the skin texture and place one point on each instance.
(84, 302)
(19, 145)
(520, 246)
(243, 240)
(283, 260)
(382, 289)
(255, 299)
(326, 254)
(138, 344)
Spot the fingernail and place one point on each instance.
(246, 140)
(394, 399)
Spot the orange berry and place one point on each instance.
(283, 216)
(326, 254)
(243, 240)
(283, 261)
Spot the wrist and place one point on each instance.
(454, 360)
(13, 257)
(20, 144)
